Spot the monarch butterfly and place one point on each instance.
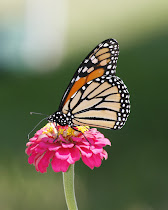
(95, 96)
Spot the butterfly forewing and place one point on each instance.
(102, 102)
(102, 60)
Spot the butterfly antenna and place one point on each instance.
(38, 113)
(36, 127)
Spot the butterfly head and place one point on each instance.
(61, 118)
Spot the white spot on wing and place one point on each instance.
(79, 70)
(77, 78)
(86, 61)
(85, 69)
(93, 57)
(95, 61)
(109, 66)
(72, 80)
(106, 45)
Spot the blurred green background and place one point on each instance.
(42, 44)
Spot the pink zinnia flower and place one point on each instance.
(64, 146)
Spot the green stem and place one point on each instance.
(68, 180)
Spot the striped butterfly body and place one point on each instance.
(95, 96)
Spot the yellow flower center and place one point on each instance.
(71, 132)
(50, 129)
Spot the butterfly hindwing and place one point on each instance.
(102, 102)
(102, 60)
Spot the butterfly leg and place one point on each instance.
(82, 134)
(55, 139)
(57, 133)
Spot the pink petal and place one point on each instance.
(39, 132)
(69, 145)
(28, 150)
(93, 161)
(59, 165)
(45, 139)
(39, 150)
(93, 130)
(31, 147)
(37, 160)
(34, 138)
(103, 142)
(74, 155)
(62, 154)
(89, 142)
(77, 139)
(84, 151)
(99, 135)
(54, 147)
(62, 139)
(104, 155)
(43, 144)
(97, 160)
(45, 161)
(29, 144)
(96, 150)
(88, 162)
(32, 158)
